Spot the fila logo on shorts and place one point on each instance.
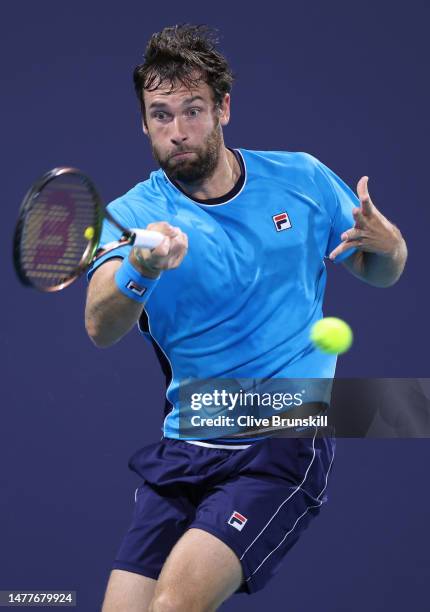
(135, 288)
(237, 520)
(281, 221)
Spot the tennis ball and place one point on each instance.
(89, 233)
(331, 335)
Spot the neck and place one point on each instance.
(223, 179)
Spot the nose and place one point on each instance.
(178, 132)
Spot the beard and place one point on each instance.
(201, 165)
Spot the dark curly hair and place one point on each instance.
(186, 54)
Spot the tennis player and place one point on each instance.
(231, 292)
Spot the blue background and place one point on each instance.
(345, 81)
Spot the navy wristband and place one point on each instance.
(132, 283)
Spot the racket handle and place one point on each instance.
(147, 239)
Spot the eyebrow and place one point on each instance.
(184, 103)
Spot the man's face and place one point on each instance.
(184, 129)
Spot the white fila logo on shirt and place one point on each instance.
(281, 221)
(237, 520)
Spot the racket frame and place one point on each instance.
(91, 252)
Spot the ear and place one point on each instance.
(144, 128)
(142, 116)
(224, 110)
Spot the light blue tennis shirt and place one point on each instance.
(242, 302)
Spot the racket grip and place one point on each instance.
(147, 239)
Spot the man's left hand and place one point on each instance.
(372, 231)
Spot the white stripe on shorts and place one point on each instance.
(285, 500)
(293, 527)
(232, 446)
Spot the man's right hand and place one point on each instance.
(166, 256)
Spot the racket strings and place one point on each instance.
(53, 237)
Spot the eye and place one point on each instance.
(159, 115)
(194, 112)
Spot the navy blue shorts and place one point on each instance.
(257, 500)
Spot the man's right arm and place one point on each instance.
(109, 314)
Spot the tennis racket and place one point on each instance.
(58, 231)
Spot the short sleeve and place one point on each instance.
(339, 200)
(110, 233)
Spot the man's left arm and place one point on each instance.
(381, 252)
